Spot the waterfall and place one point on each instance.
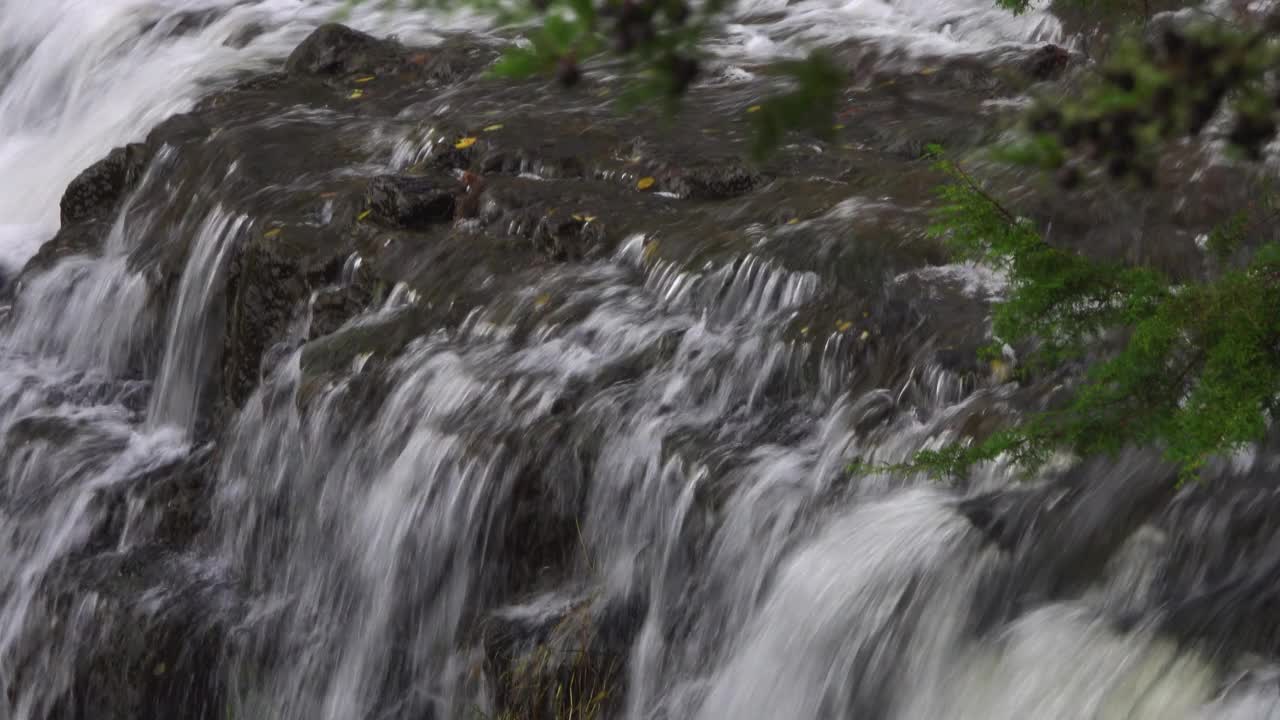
(262, 457)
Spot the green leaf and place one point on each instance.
(519, 63)
(559, 34)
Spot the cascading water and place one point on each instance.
(625, 470)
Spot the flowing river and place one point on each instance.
(621, 476)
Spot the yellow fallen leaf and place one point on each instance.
(645, 183)
(843, 325)
(273, 232)
(793, 221)
(583, 218)
(365, 79)
(929, 71)
(838, 126)
(356, 94)
(364, 214)
(494, 127)
(863, 337)
(465, 143)
(804, 330)
(755, 108)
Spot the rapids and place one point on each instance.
(626, 472)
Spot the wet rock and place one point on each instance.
(539, 537)
(1062, 534)
(564, 220)
(83, 238)
(141, 619)
(98, 191)
(335, 49)
(452, 61)
(1047, 62)
(964, 361)
(557, 657)
(147, 628)
(334, 306)
(1219, 584)
(412, 202)
(268, 283)
(174, 499)
(362, 349)
(562, 235)
(714, 181)
(262, 293)
(548, 166)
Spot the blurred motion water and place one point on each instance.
(643, 441)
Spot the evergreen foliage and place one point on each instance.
(1154, 92)
(1198, 372)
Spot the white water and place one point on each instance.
(363, 545)
(79, 77)
(909, 28)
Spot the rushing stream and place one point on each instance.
(625, 445)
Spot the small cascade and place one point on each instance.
(187, 345)
(476, 442)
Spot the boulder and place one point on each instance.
(335, 49)
(98, 190)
